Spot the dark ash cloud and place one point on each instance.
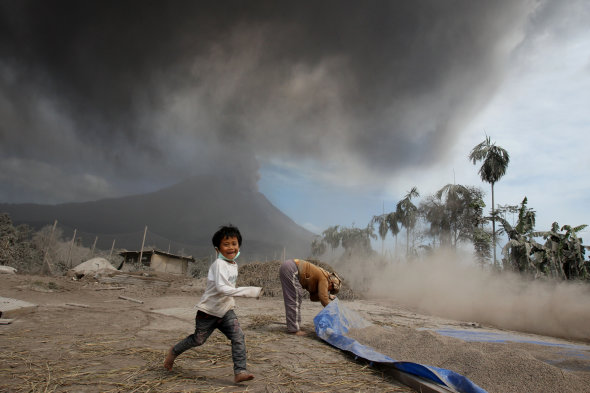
(110, 97)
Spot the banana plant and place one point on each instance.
(565, 252)
(522, 253)
(561, 256)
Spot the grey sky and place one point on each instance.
(109, 98)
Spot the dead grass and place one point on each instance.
(109, 365)
(117, 346)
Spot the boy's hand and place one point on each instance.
(332, 297)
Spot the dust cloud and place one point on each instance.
(452, 285)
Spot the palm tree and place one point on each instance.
(495, 162)
(407, 214)
(392, 223)
(383, 227)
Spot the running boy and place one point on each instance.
(216, 307)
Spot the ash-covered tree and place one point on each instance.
(357, 241)
(455, 214)
(8, 240)
(482, 244)
(318, 247)
(433, 211)
(332, 237)
(17, 248)
(458, 211)
(482, 237)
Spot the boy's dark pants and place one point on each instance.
(205, 324)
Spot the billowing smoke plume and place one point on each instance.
(104, 98)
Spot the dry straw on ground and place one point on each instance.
(82, 367)
(114, 345)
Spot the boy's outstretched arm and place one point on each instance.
(223, 285)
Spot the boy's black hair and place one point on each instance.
(226, 231)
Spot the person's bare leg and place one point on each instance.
(243, 376)
(169, 361)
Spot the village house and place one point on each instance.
(159, 261)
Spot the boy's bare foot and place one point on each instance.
(169, 361)
(300, 333)
(243, 376)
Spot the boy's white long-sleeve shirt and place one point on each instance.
(221, 289)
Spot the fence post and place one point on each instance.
(142, 243)
(69, 262)
(112, 248)
(46, 265)
(93, 246)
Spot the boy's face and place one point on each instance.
(229, 247)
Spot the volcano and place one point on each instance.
(184, 215)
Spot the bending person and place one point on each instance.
(296, 275)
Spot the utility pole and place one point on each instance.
(142, 243)
(69, 262)
(383, 218)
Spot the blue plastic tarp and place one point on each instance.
(335, 320)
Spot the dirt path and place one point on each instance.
(80, 339)
(83, 337)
